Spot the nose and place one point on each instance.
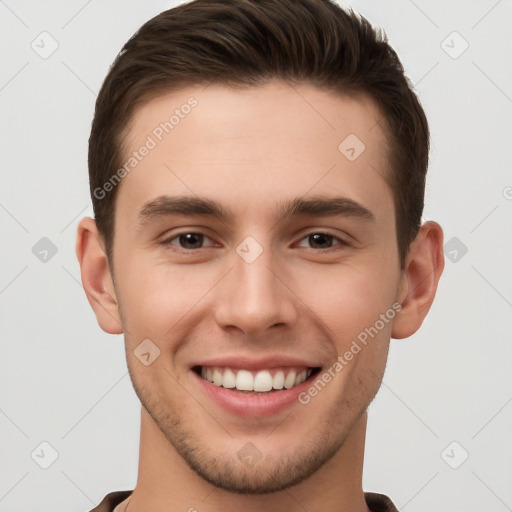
(254, 296)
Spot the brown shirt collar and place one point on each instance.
(376, 502)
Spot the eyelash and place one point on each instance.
(168, 241)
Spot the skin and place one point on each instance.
(250, 150)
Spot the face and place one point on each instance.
(255, 253)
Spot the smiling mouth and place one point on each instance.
(256, 382)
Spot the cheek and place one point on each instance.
(157, 296)
(350, 299)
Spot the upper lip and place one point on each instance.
(255, 364)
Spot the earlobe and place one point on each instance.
(96, 278)
(423, 269)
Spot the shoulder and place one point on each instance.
(379, 502)
(111, 500)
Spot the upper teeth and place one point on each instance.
(264, 380)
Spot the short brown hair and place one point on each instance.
(247, 42)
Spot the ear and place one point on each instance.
(423, 268)
(96, 278)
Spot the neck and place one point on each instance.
(166, 483)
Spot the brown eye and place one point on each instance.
(188, 240)
(191, 240)
(322, 240)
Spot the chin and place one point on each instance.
(269, 474)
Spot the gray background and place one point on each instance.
(65, 382)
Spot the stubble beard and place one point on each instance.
(272, 472)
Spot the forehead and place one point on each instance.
(256, 146)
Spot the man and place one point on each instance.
(257, 171)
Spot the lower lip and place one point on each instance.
(252, 405)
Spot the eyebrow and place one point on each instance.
(320, 206)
